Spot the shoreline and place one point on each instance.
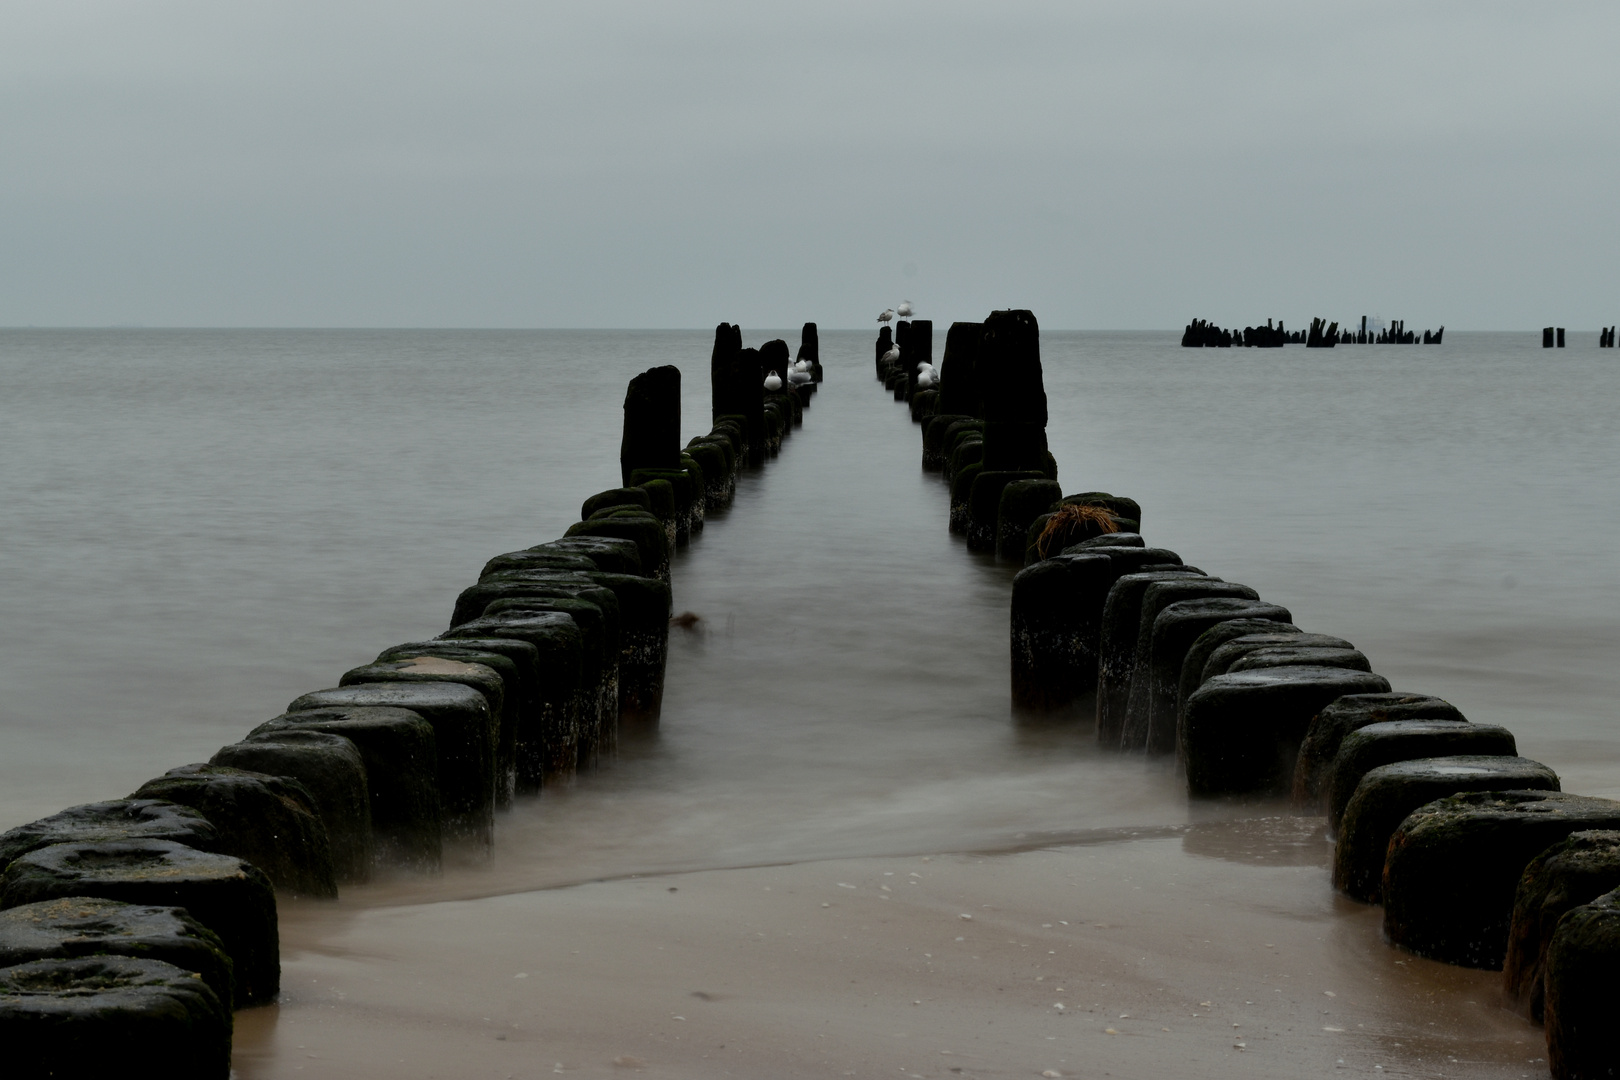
(813, 968)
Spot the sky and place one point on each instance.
(1128, 164)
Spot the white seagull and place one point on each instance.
(927, 378)
(893, 354)
(904, 310)
(799, 376)
(887, 314)
(773, 381)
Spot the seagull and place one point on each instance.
(801, 365)
(893, 354)
(887, 314)
(904, 309)
(798, 376)
(773, 382)
(927, 378)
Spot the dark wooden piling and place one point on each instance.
(921, 352)
(652, 422)
(1009, 366)
(810, 349)
(959, 391)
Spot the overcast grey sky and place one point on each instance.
(1110, 165)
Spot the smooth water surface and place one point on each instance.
(202, 525)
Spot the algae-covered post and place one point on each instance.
(1567, 875)
(1453, 868)
(1169, 639)
(1241, 732)
(1392, 741)
(1330, 727)
(465, 736)
(1388, 795)
(108, 1015)
(1156, 597)
(230, 896)
(331, 769)
(1582, 998)
(402, 776)
(1057, 614)
(269, 821)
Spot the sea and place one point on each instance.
(201, 525)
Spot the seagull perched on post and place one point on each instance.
(773, 381)
(892, 355)
(886, 315)
(905, 309)
(927, 377)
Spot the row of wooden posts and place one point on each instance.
(131, 929)
(1477, 856)
(1321, 335)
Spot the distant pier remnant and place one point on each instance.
(1200, 333)
(1322, 335)
(1606, 338)
(1546, 337)
(1560, 337)
(1265, 337)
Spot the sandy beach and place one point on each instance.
(1216, 950)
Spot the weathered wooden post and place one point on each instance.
(1009, 366)
(652, 422)
(810, 349)
(921, 352)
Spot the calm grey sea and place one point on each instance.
(201, 525)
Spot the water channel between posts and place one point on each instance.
(204, 525)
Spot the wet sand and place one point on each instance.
(1212, 949)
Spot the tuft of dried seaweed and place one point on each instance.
(1072, 524)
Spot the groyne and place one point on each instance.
(1475, 853)
(132, 929)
